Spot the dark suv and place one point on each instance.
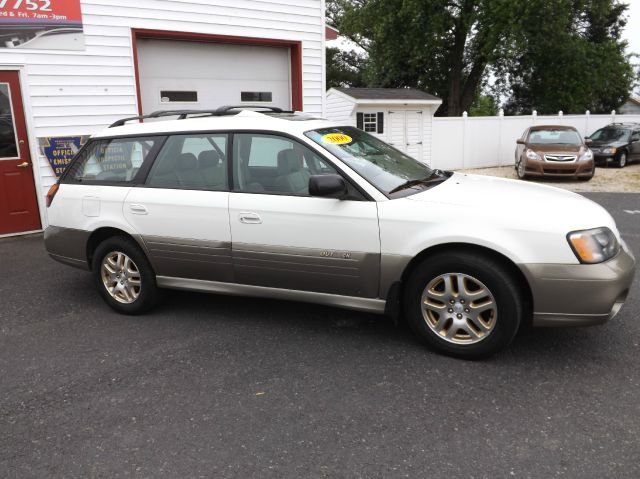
(618, 143)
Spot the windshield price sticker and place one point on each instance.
(336, 139)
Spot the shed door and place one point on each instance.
(18, 203)
(414, 134)
(406, 131)
(198, 75)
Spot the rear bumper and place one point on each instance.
(68, 246)
(558, 169)
(580, 294)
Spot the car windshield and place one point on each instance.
(611, 134)
(388, 169)
(555, 137)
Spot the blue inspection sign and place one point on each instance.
(60, 150)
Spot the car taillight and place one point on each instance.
(51, 193)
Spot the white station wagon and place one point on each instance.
(282, 205)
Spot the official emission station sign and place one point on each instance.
(60, 150)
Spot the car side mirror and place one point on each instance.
(587, 140)
(635, 138)
(327, 186)
(520, 141)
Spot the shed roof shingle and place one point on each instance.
(387, 94)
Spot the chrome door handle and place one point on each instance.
(137, 209)
(250, 218)
(24, 164)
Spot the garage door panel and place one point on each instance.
(217, 72)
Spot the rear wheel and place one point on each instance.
(463, 305)
(124, 277)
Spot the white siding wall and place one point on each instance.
(340, 109)
(80, 92)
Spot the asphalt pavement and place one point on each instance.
(215, 386)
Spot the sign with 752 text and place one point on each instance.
(41, 24)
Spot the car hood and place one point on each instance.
(557, 148)
(604, 144)
(517, 204)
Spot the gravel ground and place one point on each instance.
(606, 180)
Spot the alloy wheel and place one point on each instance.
(121, 277)
(459, 308)
(521, 169)
(622, 161)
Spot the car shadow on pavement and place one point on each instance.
(319, 322)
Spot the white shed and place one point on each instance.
(400, 116)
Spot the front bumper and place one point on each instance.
(559, 169)
(579, 294)
(603, 159)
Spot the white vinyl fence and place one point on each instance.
(483, 141)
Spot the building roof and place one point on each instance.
(393, 94)
(330, 33)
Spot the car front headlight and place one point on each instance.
(532, 155)
(587, 155)
(595, 245)
(609, 150)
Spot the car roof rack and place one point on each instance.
(184, 114)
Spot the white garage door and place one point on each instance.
(193, 75)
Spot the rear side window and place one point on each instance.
(193, 162)
(113, 161)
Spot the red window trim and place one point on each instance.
(295, 48)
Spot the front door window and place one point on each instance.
(274, 164)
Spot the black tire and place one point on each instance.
(509, 303)
(147, 295)
(621, 159)
(520, 172)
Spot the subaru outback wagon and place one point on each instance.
(283, 205)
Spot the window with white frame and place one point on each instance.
(370, 122)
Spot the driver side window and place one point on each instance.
(273, 164)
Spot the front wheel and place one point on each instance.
(463, 304)
(621, 162)
(124, 277)
(521, 170)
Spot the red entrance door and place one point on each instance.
(18, 204)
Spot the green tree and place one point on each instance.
(569, 56)
(544, 54)
(345, 68)
(483, 105)
(440, 46)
